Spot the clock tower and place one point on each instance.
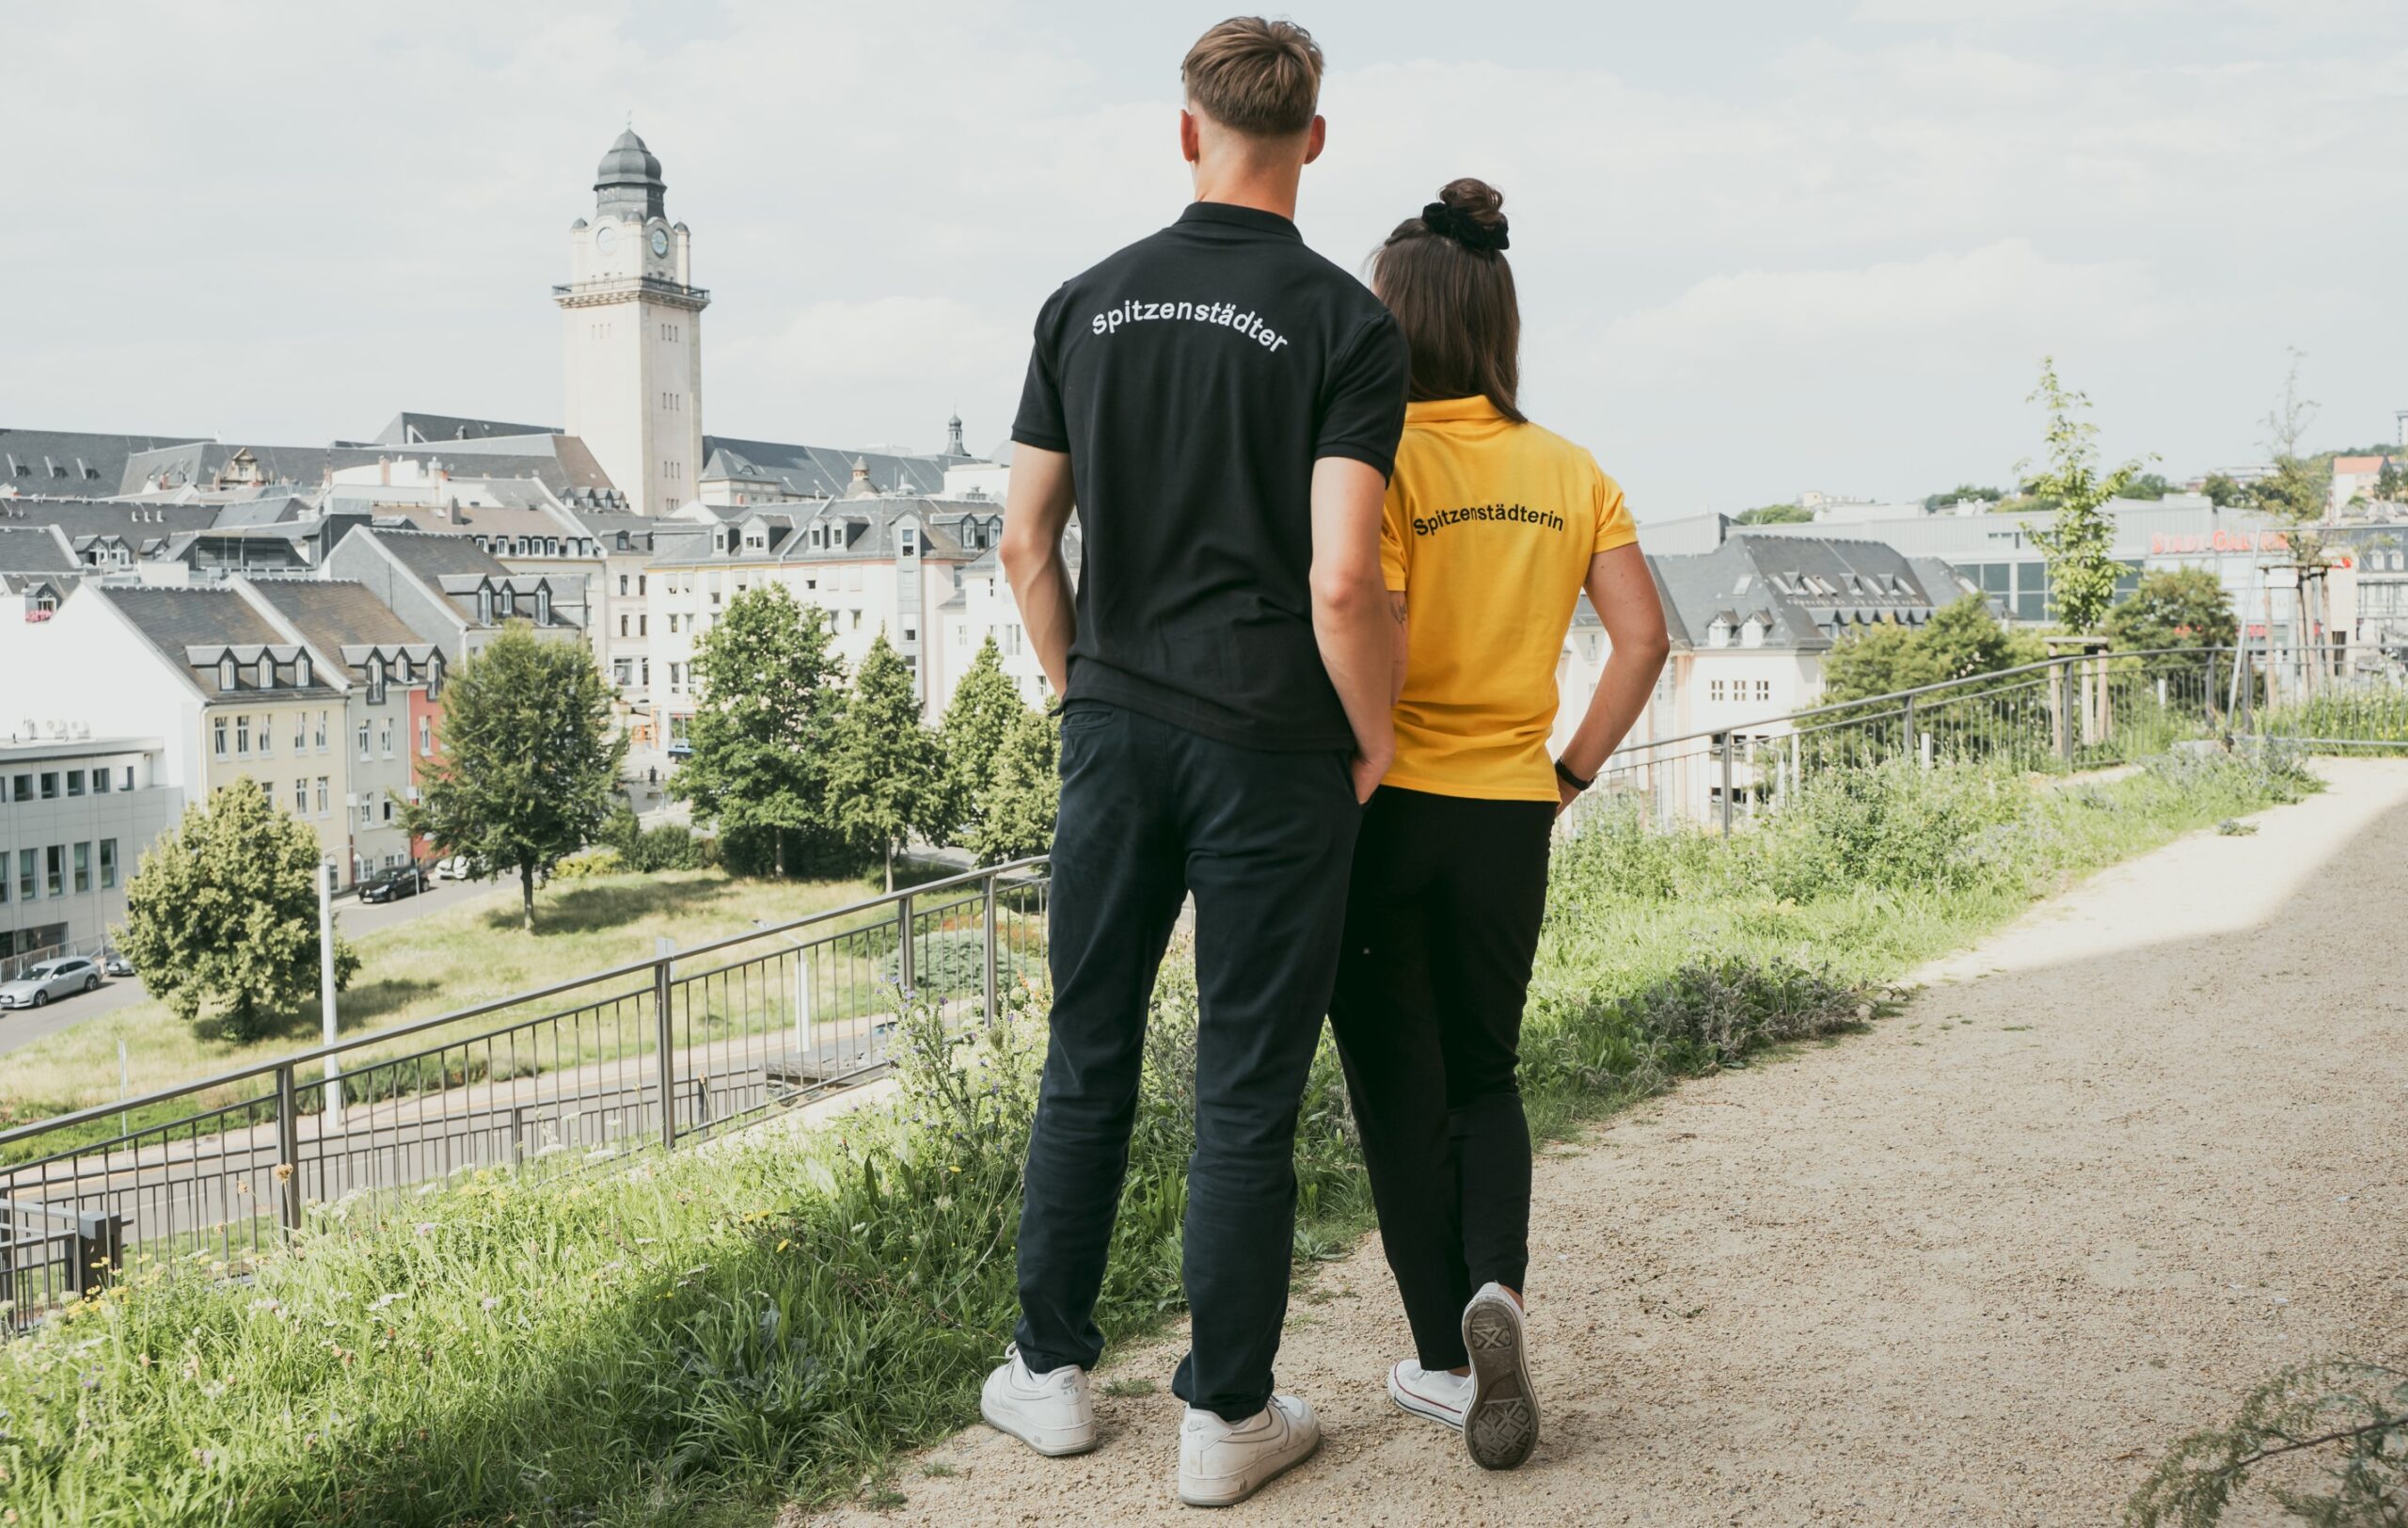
(631, 330)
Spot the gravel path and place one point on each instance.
(1977, 1267)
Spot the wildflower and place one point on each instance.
(284, 1173)
(786, 1243)
(384, 1299)
(425, 1228)
(489, 1303)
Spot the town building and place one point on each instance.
(453, 593)
(76, 812)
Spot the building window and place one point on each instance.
(57, 858)
(100, 782)
(82, 867)
(24, 790)
(384, 736)
(49, 785)
(623, 578)
(911, 634)
(129, 778)
(226, 678)
(321, 795)
(25, 881)
(368, 814)
(623, 623)
(1714, 690)
(242, 736)
(219, 732)
(74, 782)
(300, 798)
(640, 583)
(425, 735)
(643, 626)
(108, 863)
(300, 730)
(319, 735)
(363, 742)
(1764, 690)
(375, 681)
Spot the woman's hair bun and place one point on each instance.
(1472, 213)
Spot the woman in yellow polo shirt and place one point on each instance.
(1494, 529)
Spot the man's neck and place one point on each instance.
(1244, 186)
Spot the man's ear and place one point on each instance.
(1191, 138)
(1315, 138)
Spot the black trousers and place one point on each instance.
(1150, 813)
(1441, 928)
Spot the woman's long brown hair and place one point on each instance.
(1455, 302)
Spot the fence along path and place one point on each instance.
(735, 1030)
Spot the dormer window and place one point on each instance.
(228, 676)
(485, 606)
(544, 605)
(375, 681)
(434, 676)
(1752, 633)
(906, 541)
(301, 671)
(509, 602)
(1718, 635)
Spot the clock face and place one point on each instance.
(660, 241)
(606, 238)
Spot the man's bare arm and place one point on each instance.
(1624, 594)
(1351, 619)
(1036, 515)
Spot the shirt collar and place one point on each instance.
(1441, 410)
(1244, 218)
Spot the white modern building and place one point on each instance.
(76, 812)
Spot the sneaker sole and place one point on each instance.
(1051, 1451)
(1232, 1501)
(1502, 1424)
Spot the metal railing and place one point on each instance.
(643, 1055)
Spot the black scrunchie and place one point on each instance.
(1463, 229)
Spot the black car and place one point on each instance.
(394, 884)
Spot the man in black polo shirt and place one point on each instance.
(1223, 407)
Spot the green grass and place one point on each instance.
(467, 954)
(702, 1336)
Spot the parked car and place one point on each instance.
(116, 964)
(46, 979)
(392, 886)
(459, 867)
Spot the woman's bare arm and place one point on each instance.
(1624, 593)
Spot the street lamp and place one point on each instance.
(327, 873)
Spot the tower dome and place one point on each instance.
(628, 182)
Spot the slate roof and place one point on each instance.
(409, 429)
(36, 549)
(341, 619)
(144, 527)
(819, 472)
(561, 463)
(71, 461)
(191, 627)
(434, 557)
(1808, 590)
(857, 530)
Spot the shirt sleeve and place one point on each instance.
(1365, 416)
(1040, 421)
(1615, 527)
(1392, 542)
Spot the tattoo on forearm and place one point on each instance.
(1396, 607)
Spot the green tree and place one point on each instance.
(985, 706)
(1937, 502)
(223, 913)
(771, 698)
(528, 768)
(2391, 484)
(2222, 491)
(886, 779)
(1774, 514)
(2080, 544)
(1960, 641)
(2176, 607)
(1017, 805)
(2147, 486)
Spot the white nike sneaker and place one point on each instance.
(1502, 1423)
(1438, 1395)
(1053, 1413)
(1221, 1463)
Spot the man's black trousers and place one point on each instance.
(1151, 812)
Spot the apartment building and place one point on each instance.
(76, 815)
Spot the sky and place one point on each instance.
(1761, 246)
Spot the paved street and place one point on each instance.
(23, 1026)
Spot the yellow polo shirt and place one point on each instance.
(1489, 530)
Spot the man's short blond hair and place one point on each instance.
(1257, 77)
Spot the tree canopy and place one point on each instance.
(1017, 804)
(222, 914)
(2080, 544)
(985, 706)
(886, 777)
(770, 703)
(1774, 514)
(2174, 608)
(528, 768)
(1960, 641)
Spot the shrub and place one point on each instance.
(2351, 1417)
(1898, 827)
(953, 962)
(587, 864)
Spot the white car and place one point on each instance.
(48, 979)
(457, 867)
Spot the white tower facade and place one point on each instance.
(631, 331)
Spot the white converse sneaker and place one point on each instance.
(1440, 1396)
(1502, 1423)
(1221, 1463)
(1053, 1413)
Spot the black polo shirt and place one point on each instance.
(1194, 378)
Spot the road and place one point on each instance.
(20, 1026)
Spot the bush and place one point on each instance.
(667, 846)
(1898, 827)
(587, 864)
(952, 963)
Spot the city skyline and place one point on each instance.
(1825, 250)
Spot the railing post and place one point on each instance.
(1722, 746)
(2248, 683)
(665, 1032)
(906, 977)
(2210, 708)
(100, 1252)
(1912, 750)
(989, 974)
(2069, 719)
(288, 1149)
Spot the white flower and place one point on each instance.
(383, 1300)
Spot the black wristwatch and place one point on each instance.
(1565, 775)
